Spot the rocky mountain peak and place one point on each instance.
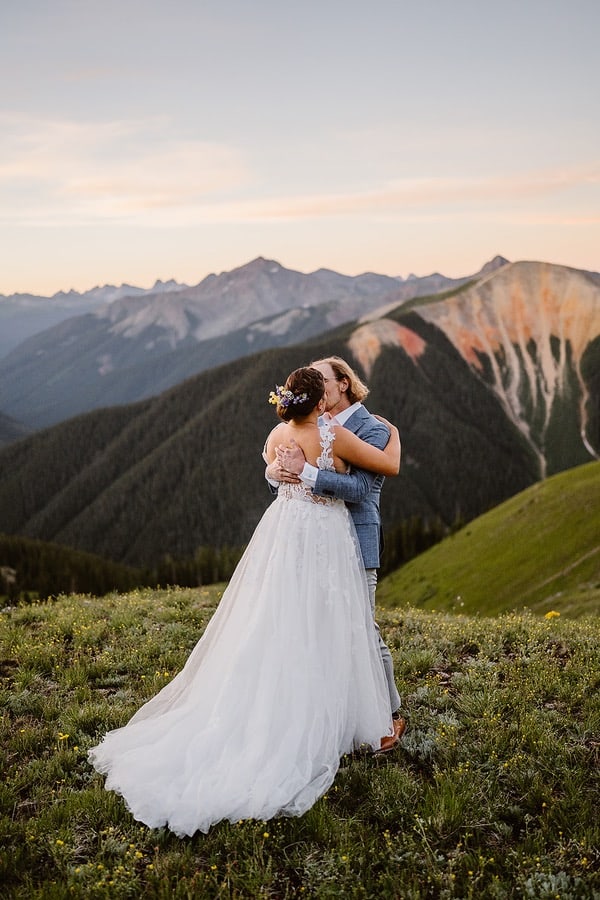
(524, 330)
(496, 263)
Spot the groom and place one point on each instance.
(360, 489)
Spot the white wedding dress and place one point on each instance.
(286, 678)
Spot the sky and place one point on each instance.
(158, 139)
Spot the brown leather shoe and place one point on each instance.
(390, 741)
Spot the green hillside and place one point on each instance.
(11, 430)
(184, 470)
(539, 550)
(32, 567)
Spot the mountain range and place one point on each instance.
(23, 315)
(493, 385)
(125, 345)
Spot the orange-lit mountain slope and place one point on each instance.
(527, 330)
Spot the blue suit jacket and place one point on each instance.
(360, 489)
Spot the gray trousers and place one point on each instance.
(386, 656)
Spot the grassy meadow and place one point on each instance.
(539, 550)
(494, 792)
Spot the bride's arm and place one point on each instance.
(271, 443)
(359, 453)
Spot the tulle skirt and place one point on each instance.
(286, 678)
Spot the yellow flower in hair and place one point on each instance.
(284, 398)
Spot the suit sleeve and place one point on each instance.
(357, 485)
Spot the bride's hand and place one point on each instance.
(385, 422)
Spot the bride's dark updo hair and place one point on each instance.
(299, 395)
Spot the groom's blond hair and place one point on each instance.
(357, 389)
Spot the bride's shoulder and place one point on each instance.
(276, 434)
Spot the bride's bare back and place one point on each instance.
(307, 436)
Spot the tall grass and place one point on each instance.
(494, 792)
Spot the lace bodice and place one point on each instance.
(324, 461)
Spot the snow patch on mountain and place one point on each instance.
(171, 317)
(280, 325)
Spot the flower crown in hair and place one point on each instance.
(285, 398)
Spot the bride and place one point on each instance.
(287, 676)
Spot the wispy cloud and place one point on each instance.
(64, 172)
(443, 195)
(55, 171)
(520, 197)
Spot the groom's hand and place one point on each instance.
(291, 458)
